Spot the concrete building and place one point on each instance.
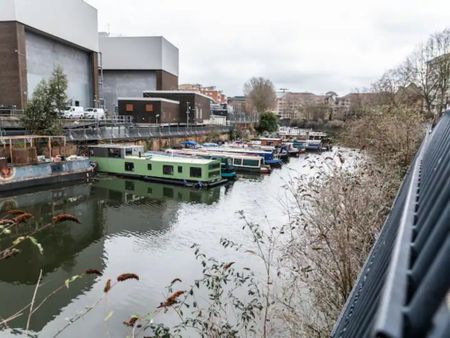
(151, 110)
(37, 36)
(131, 65)
(195, 108)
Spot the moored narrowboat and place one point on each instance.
(267, 156)
(240, 163)
(21, 167)
(130, 160)
(226, 167)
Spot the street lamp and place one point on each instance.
(188, 111)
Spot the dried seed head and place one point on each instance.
(64, 217)
(125, 276)
(107, 286)
(22, 218)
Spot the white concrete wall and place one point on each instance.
(118, 83)
(72, 20)
(170, 57)
(44, 54)
(139, 53)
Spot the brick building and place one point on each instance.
(211, 91)
(194, 108)
(37, 36)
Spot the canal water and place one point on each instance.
(128, 226)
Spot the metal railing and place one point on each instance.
(10, 112)
(123, 132)
(403, 288)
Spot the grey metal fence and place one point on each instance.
(123, 132)
(403, 288)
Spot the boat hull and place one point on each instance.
(196, 184)
(16, 187)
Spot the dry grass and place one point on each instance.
(340, 212)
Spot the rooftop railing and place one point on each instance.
(123, 132)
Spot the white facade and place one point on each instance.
(138, 53)
(71, 20)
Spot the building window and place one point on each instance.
(196, 172)
(168, 169)
(180, 169)
(149, 108)
(129, 108)
(149, 166)
(129, 166)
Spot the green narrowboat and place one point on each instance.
(130, 161)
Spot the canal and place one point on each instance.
(128, 226)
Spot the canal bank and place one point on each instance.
(130, 226)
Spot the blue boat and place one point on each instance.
(190, 144)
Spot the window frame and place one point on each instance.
(165, 166)
(195, 168)
(128, 165)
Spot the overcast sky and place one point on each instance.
(301, 45)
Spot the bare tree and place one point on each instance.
(261, 93)
(439, 44)
(429, 68)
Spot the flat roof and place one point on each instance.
(176, 92)
(138, 53)
(74, 21)
(112, 145)
(173, 159)
(148, 99)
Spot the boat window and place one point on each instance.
(168, 169)
(251, 163)
(196, 172)
(129, 166)
(149, 166)
(180, 169)
(214, 173)
(237, 161)
(114, 152)
(214, 166)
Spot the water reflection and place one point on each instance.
(131, 191)
(108, 208)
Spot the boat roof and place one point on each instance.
(112, 145)
(269, 139)
(173, 159)
(239, 150)
(200, 152)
